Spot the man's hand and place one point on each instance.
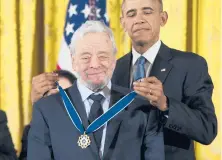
(152, 89)
(41, 84)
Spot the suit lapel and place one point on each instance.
(114, 124)
(76, 99)
(124, 71)
(73, 92)
(161, 67)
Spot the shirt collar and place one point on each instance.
(150, 54)
(86, 92)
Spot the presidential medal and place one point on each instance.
(84, 141)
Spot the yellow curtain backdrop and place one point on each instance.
(30, 36)
(195, 25)
(121, 38)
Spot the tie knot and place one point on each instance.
(97, 97)
(141, 60)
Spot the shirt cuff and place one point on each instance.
(164, 115)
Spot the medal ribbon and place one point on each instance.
(100, 121)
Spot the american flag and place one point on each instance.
(78, 11)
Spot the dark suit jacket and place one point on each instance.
(23, 154)
(131, 135)
(188, 87)
(7, 151)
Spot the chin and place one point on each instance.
(97, 85)
(141, 42)
(95, 80)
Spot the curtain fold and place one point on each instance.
(121, 38)
(30, 36)
(207, 43)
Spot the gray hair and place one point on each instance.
(91, 26)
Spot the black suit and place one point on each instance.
(188, 87)
(7, 151)
(131, 135)
(23, 154)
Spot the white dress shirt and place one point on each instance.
(150, 56)
(85, 93)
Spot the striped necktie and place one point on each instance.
(140, 69)
(96, 111)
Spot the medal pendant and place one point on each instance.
(84, 141)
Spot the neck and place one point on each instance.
(142, 47)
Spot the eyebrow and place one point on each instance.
(85, 53)
(103, 52)
(131, 10)
(144, 8)
(147, 8)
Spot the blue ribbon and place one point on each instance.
(100, 121)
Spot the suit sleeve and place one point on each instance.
(153, 143)
(39, 144)
(23, 154)
(194, 116)
(7, 151)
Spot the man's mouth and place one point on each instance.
(140, 29)
(93, 74)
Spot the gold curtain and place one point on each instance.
(195, 25)
(30, 37)
(31, 32)
(121, 38)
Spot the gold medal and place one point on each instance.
(84, 141)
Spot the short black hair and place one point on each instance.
(66, 74)
(160, 1)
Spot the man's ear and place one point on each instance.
(164, 18)
(73, 58)
(123, 23)
(114, 63)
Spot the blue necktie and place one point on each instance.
(140, 68)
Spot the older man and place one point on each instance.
(61, 131)
(177, 83)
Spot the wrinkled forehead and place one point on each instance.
(94, 42)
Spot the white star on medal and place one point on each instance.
(84, 141)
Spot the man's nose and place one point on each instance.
(139, 19)
(94, 62)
